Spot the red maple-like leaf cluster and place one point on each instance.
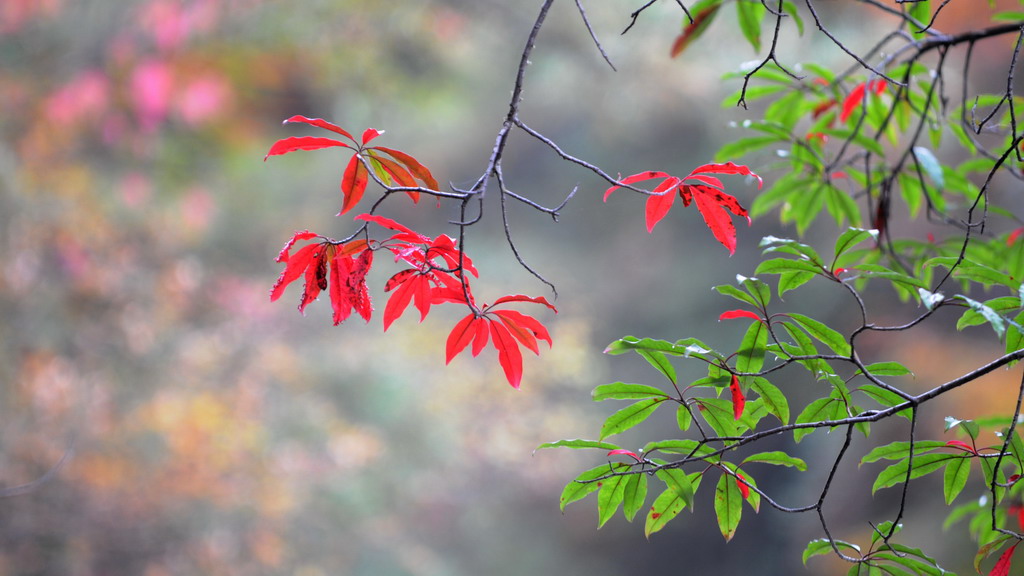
(435, 269)
(707, 191)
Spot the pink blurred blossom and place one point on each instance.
(171, 22)
(15, 13)
(135, 189)
(151, 85)
(204, 99)
(86, 96)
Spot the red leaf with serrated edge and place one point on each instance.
(316, 277)
(694, 29)
(744, 489)
(353, 184)
(392, 225)
(509, 356)
(294, 268)
(629, 180)
(286, 145)
(370, 134)
(729, 315)
(399, 300)
(660, 202)
(418, 170)
(624, 452)
(520, 333)
(529, 323)
(355, 284)
(459, 338)
(320, 123)
(1002, 567)
(304, 235)
(738, 401)
(962, 445)
(482, 332)
(340, 305)
(726, 168)
(523, 298)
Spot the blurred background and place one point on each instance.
(208, 431)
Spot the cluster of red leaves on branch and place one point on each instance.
(708, 193)
(393, 167)
(435, 271)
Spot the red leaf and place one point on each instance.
(320, 123)
(351, 248)
(399, 278)
(856, 97)
(1002, 567)
(370, 134)
(418, 170)
(744, 489)
(481, 336)
(727, 168)
(624, 452)
(392, 225)
(400, 175)
(353, 184)
(717, 219)
(286, 145)
(316, 277)
(634, 179)
(962, 445)
(398, 301)
(527, 323)
(509, 356)
(294, 268)
(1013, 236)
(522, 334)
(660, 202)
(694, 29)
(340, 305)
(738, 401)
(709, 180)
(304, 235)
(729, 315)
(459, 338)
(523, 298)
(422, 295)
(355, 284)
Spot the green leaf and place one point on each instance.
(774, 400)
(886, 398)
(750, 356)
(586, 483)
(778, 458)
(624, 391)
(730, 290)
(757, 289)
(851, 237)
(667, 506)
(823, 333)
(781, 265)
(1002, 305)
(823, 546)
(634, 495)
(955, 477)
(900, 450)
(820, 410)
(888, 369)
(922, 464)
(578, 443)
(677, 481)
(660, 362)
(793, 280)
(737, 148)
(990, 315)
(629, 416)
(689, 347)
(728, 506)
(750, 13)
(686, 447)
(718, 414)
(683, 417)
(609, 497)
(857, 138)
